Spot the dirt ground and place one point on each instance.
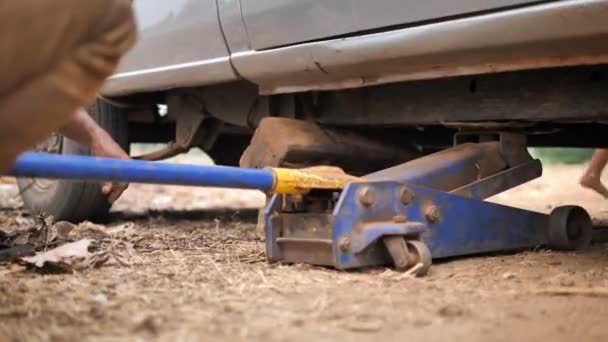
(197, 273)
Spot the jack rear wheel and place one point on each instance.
(409, 255)
(570, 228)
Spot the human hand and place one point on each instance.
(104, 146)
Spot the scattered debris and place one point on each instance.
(5, 239)
(574, 291)
(63, 229)
(124, 228)
(451, 310)
(7, 180)
(23, 221)
(100, 298)
(90, 230)
(363, 326)
(149, 325)
(63, 257)
(11, 269)
(16, 252)
(23, 243)
(413, 272)
(94, 246)
(508, 275)
(554, 262)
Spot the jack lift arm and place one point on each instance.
(407, 215)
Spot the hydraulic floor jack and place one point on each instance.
(407, 215)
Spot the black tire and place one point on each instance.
(76, 201)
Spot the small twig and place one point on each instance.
(574, 291)
(221, 274)
(170, 248)
(217, 226)
(411, 273)
(45, 228)
(24, 189)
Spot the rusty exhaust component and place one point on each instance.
(281, 142)
(169, 151)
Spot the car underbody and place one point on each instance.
(553, 107)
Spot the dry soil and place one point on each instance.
(197, 273)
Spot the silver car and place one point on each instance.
(410, 73)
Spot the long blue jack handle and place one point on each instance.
(44, 165)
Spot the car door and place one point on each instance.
(180, 43)
(273, 23)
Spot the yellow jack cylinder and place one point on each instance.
(301, 181)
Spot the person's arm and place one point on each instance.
(85, 131)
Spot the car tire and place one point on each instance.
(74, 201)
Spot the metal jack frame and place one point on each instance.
(428, 208)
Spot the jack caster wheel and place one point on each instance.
(409, 255)
(570, 228)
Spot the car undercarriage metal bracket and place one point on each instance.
(431, 207)
(193, 127)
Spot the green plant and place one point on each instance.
(562, 155)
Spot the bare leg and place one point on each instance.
(592, 177)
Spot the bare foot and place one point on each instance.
(593, 182)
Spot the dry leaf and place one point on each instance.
(89, 229)
(65, 254)
(14, 253)
(63, 229)
(23, 221)
(126, 228)
(21, 238)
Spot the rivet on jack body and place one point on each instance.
(432, 214)
(366, 197)
(401, 218)
(406, 196)
(344, 244)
